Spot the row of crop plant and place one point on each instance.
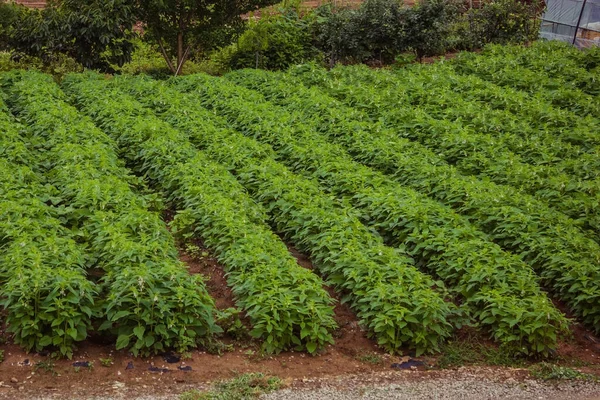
(395, 302)
(149, 301)
(229, 186)
(531, 70)
(445, 95)
(47, 299)
(471, 152)
(286, 304)
(488, 284)
(562, 255)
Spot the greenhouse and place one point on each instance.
(572, 21)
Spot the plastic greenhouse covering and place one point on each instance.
(572, 21)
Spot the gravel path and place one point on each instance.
(463, 385)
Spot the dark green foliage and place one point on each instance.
(274, 43)
(150, 301)
(498, 21)
(564, 257)
(427, 26)
(10, 16)
(96, 34)
(286, 304)
(381, 29)
(182, 28)
(372, 32)
(393, 300)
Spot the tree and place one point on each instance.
(95, 33)
(180, 26)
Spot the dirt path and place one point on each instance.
(354, 366)
(464, 383)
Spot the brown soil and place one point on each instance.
(352, 354)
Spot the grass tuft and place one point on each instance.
(245, 386)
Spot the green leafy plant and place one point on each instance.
(371, 358)
(49, 302)
(547, 240)
(95, 34)
(151, 303)
(502, 294)
(484, 150)
(229, 320)
(46, 366)
(245, 386)
(107, 362)
(274, 42)
(457, 353)
(314, 223)
(562, 83)
(547, 371)
(285, 310)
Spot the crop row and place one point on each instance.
(565, 258)
(392, 299)
(499, 290)
(575, 68)
(286, 303)
(150, 302)
(442, 93)
(47, 298)
(505, 69)
(472, 153)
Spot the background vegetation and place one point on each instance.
(182, 36)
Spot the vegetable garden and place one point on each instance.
(461, 193)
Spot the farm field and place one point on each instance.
(349, 217)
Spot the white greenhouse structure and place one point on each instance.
(572, 21)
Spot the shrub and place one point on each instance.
(274, 42)
(58, 67)
(497, 21)
(381, 29)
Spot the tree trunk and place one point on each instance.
(166, 56)
(180, 53)
(179, 47)
(185, 56)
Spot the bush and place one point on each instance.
(426, 27)
(497, 21)
(274, 42)
(96, 34)
(58, 67)
(381, 29)
(10, 15)
(145, 59)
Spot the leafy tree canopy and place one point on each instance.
(95, 33)
(181, 26)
